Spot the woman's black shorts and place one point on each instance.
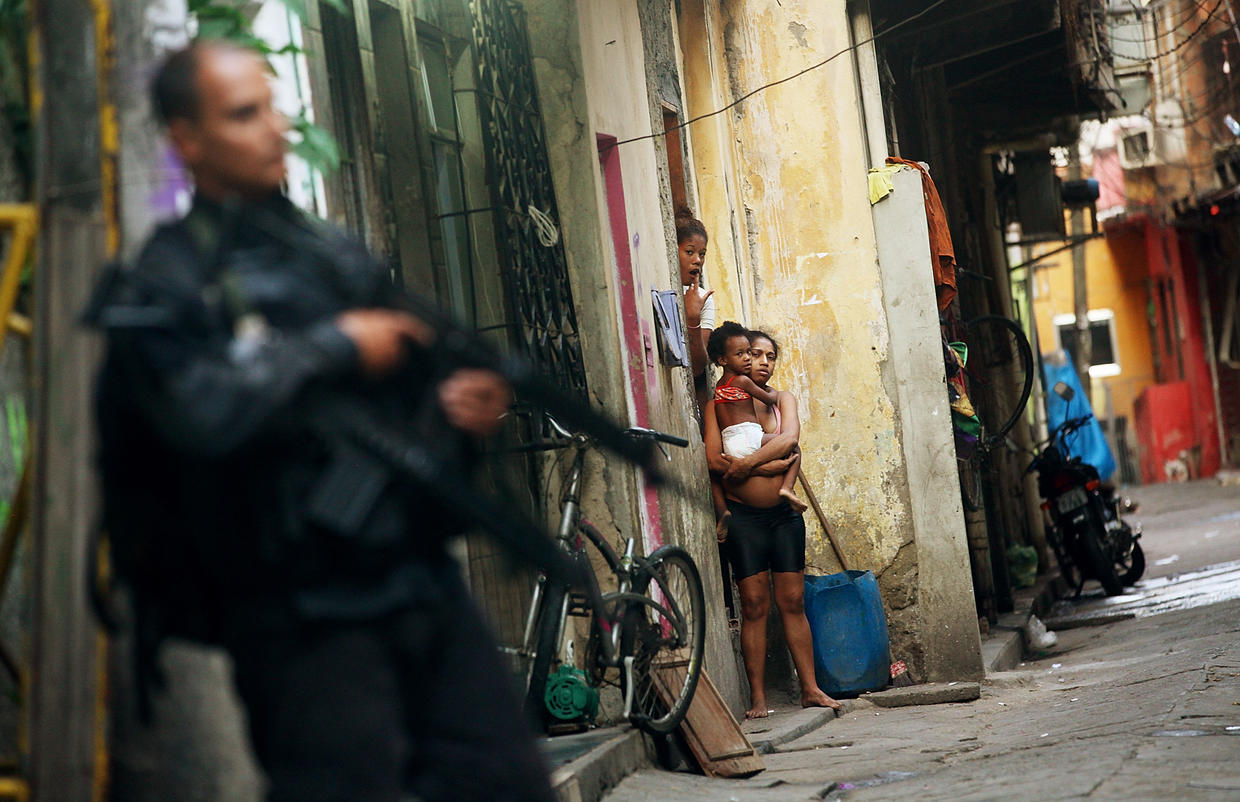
(765, 539)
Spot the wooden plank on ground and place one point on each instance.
(713, 734)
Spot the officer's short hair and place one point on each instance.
(174, 90)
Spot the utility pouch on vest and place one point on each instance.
(346, 493)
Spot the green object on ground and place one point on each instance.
(1023, 563)
(569, 695)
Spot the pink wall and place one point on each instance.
(638, 343)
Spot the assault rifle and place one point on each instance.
(461, 347)
(367, 454)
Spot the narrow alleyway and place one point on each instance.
(1143, 704)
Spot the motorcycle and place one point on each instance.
(1087, 532)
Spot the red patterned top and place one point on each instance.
(726, 394)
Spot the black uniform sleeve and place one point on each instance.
(207, 394)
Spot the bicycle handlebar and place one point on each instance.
(560, 430)
(662, 437)
(566, 437)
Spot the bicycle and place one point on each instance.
(652, 628)
(998, 353)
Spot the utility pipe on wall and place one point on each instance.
(1080, 293)
(869, 86)
(994, 241)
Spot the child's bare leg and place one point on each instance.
(790, 480)
(722, 516)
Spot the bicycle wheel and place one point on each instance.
(999, 352)
(665, 634)
(546, 648)
(971, 482)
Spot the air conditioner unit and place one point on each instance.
(1170, 145)
(1137, 146)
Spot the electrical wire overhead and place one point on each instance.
(764, 87)
(1191, 36)
(1188, 17)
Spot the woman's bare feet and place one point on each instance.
(721, 528)
(758, 707)
(793, 501)
(814, 697)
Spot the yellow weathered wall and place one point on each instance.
(781, 184)
(1115, 269)
(779, 170)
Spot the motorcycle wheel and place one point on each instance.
(1101, 564)
(1131, 569)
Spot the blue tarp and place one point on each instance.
(1088, 442)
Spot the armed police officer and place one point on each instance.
(366, 672)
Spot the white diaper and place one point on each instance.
(742, 439)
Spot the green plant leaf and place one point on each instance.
(315, 145)
(213, 27)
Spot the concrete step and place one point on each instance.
(788, 722)
(586, 766)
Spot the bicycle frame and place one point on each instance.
(622, 565)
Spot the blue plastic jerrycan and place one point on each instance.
(851, 652)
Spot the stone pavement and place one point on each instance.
(1187, 526)
(1139, 700)
(1146, 708)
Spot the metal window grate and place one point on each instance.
(535, 275)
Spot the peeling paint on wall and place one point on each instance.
(797, 154)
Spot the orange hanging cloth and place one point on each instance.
(942, 253)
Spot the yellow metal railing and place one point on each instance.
(22, 220)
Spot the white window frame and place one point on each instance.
(1104, 369)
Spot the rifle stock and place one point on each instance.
(461, 347)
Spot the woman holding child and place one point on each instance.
(765, 533)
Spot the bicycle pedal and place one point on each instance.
(578, 605)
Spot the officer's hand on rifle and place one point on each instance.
(475, 400)
(382, 337)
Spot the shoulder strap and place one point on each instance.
(212, 238)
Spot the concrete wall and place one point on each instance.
(593, 80)
(782, 188)
(944, 607)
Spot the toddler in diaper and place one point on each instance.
(739, 430)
